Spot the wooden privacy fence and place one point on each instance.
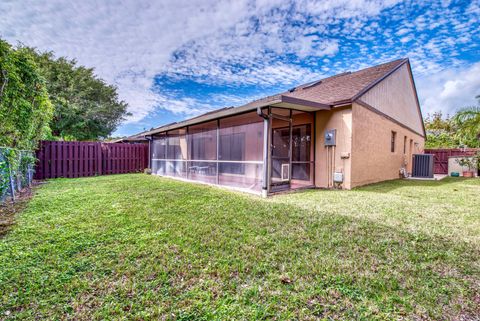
(79, 159)
(440, 158)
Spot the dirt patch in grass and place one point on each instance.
(9, 209)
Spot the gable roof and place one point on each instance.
(325, 93)
(345, 87)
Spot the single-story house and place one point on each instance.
(134, 139)
(351, 129)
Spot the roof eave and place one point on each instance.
(303, 102)
(274, 100)
(342, 103)
(212, 116)
(416, 97)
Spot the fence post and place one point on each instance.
(12, 187)
(18, 173)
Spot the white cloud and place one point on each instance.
(402, 31)
(449, 90)
(406, 39)
(242, 42)
(129, 42)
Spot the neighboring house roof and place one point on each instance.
(140, 137)
(325, 93)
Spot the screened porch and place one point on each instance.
(267, 150)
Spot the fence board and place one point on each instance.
(46, 160)
(79, 159)
(99, 159)
(63, 159)
(70, 171)
(55, 166)
(89, 160)
(75, 159)
(108, 159)
(38, 155)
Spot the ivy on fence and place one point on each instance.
(16, 171)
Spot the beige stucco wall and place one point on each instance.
(372, 159)
(454, 166)
(341, 120)
(395, 97)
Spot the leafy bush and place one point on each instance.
(25, 109)
(461, 130)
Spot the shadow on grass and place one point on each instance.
(198, 252)
(389, 186)
(335, 266)
(9, 209)
(377, 265)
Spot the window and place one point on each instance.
(157, 148)
(176, 144)
(404, 144)
(232, 148)
(198, 147)
(202, 141)
(240, 151)
(392, 146)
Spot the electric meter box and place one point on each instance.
(338, 177)
(330, 136)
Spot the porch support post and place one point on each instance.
(187, 139)
(290, 150)
(266, 136)
(266, 151)
(166, 151)
(314, 144)
(149, 152)
(217, 180)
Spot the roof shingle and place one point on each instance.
(343, 86)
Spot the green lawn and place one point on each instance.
(142, 247)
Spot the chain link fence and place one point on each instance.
(16, 171)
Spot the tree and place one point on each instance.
(467, 122)
(86, 108)
(461, 130)
(440, 131)
(25, 109)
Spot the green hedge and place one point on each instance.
(25, 109)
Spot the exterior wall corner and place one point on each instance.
(327, 159)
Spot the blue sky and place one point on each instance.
(173, 60)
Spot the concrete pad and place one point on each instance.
(436, 177)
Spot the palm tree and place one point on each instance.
(467, 121)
